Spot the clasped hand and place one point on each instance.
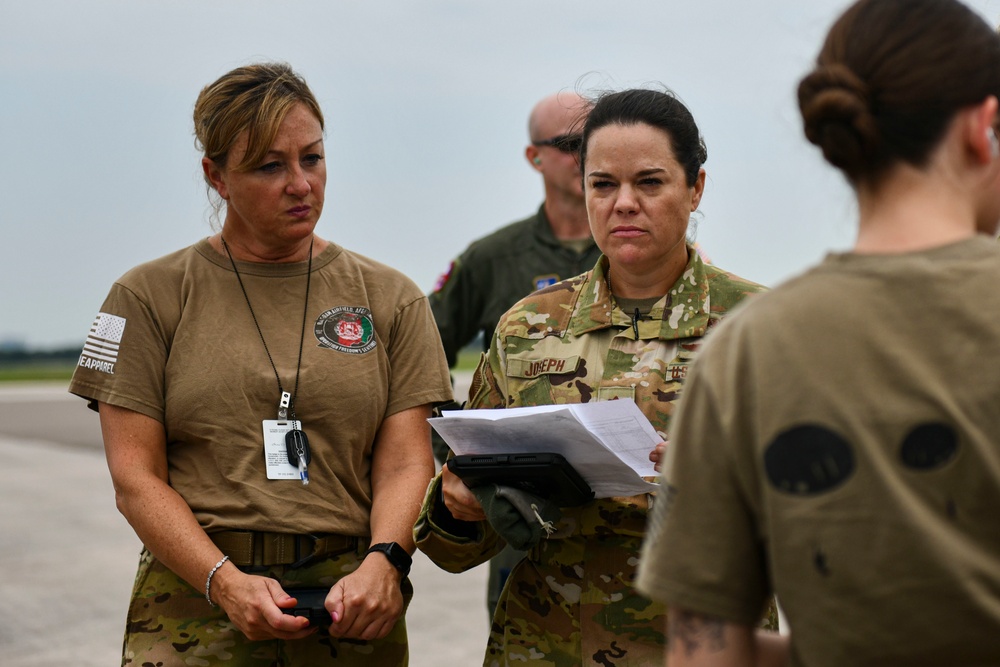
(363, 605)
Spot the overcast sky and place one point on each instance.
(426, 104)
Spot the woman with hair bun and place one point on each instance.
(839, 440)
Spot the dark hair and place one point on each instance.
(890, 77)
(657, 109)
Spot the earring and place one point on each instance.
(538, 160)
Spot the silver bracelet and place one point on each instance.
(208, 582)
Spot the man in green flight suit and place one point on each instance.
(497, 270)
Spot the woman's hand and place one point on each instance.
(366, 603)
(136, 449)
(656, 456)
(459, 500)
(254, 603)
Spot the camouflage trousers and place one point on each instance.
(500, 566)
(170, 624)
(572, 602)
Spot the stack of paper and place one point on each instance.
(607, 442)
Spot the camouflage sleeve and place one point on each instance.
(454, 546)
(488, 390)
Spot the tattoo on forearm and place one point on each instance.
(694, 632)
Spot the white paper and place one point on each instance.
(607, 442)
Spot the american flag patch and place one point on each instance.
(104, 338)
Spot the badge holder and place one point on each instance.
(286, 447)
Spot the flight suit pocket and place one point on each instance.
(674, 375)
(677, 368)
(533, 367)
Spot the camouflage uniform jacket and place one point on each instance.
(571, 343)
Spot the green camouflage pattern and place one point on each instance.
(480, 285)
(571, 601)
(171, 624)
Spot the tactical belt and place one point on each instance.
(248, 548)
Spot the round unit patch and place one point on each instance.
(346, 329)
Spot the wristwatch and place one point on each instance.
(396, 554)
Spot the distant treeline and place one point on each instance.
(61, 355)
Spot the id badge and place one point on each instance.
(275, 452)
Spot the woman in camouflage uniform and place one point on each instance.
(627, 329)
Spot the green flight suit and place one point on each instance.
(494, 273)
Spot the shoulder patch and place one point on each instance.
(100, 352)
(541, 282)
(444, 278)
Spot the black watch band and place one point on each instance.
(396, 554)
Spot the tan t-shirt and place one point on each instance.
(839, 443)
(175, 341)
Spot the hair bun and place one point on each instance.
(837, 117)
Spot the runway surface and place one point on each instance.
(69, 557)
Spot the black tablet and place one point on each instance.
(310, 602)
(547, 475)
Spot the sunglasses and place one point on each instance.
(566, 143)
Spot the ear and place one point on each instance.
(980, 131)
(213, 174)
(697, 190)
(533, 156)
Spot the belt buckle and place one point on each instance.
(300, 542)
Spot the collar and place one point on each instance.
(682, 313)
(269, 269)
(542, 229)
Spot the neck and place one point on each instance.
(913, 210)
(627, 283)
(252, 250)
(567, 215)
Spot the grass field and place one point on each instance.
(468, 359)
(36, 372)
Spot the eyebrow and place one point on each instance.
(644, 172)
(304, 148)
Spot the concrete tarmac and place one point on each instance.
(68, 557)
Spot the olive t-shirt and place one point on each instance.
(839, 444)
(176, 341)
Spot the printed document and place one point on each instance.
(607, 442)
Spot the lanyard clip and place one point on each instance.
(283, 404)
